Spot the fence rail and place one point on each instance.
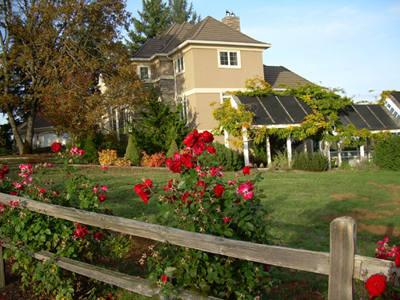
(341, 264)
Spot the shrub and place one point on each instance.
(229, 159)
(91, 155)
(155, 160)
(279, 162)
(172, 149)
(132, 152)
(387, 153)
(202, 201)
(123, 162)
(107, 157)
(315, 162)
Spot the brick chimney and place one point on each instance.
(232, 21)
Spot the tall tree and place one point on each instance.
(156, 16)
(54, 50)
(180, 11)
(154, 20)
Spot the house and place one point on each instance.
(44, 134)
(197, 64)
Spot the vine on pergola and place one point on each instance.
(323, 122)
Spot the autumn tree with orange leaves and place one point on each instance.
(52, 53)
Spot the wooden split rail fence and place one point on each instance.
(341, 264)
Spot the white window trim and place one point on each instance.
(239, 65)
(183, 64)
(148, 70)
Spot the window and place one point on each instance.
(144, 73)
(179, 64)
(229, 58)
(183, 102)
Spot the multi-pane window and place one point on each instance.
(228, 58)
(183, 102)
(179, 64)
(144, 72)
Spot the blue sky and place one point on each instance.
(353, 45)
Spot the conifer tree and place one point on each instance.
(156, 16)
(132, 152)
(180, 11)
(158, 126)
(172, 149)
(154, 20)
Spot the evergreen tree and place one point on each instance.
(158, 126)
(91, 155)
(154, 20)
(156, 16)
(172, 149)
(132, 152)
(179, 12)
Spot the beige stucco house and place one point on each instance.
(197, 65)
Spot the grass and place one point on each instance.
(301, 206)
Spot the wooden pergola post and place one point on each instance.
(339, 155)
(289, 149)
(268, 149)
(246, 147)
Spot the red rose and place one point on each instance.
(42, 191)
(376, 285)
(102, 198)
(97, 235)
(207, 136)
(80, 232)
(211, 149)
(13, 193)
(174, 166)
(56, 147)
(397, 261)
(164, 278)
(218, 190)
(246, 170)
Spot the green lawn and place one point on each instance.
(301, 206)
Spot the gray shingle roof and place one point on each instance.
(275, 75)
(395, 96)
(208, 29)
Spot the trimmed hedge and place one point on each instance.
(229, 159)
(387, 154)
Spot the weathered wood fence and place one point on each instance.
(341, 264)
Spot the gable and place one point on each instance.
(276, 75)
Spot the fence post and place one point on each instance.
(343, 247)
(2, 269)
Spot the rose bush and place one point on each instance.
(200, 201)
(379, 286)
(27, 232)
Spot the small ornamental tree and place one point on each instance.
(173, 148)
(200, 201)
(91, 155)
(132, 152)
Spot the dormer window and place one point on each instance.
(179, 64)
(229, 59)
(144, 72)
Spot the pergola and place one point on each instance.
(275, 111)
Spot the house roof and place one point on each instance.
(395, 97)
(275, 75)
(283, 111)
(208, 30)
(39, 123)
